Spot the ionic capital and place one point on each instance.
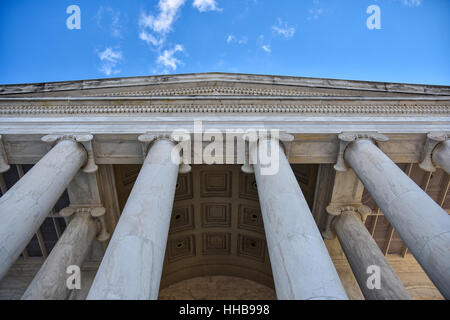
(86, 142)
(334, 211)
(346, 138)
(147, 139)
(253, 137)
(284, 138)
(362, 211)
(433, 139)
(97, 213)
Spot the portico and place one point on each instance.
(109, 146)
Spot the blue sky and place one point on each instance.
(311, 38)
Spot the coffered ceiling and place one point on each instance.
(216, 225)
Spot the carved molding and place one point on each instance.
(216, 183)
(216, 214)
(361, 110)
(346, 138)
(216, 243)
(433, 139)
(213, 91)
(97, 213)
(334, 211)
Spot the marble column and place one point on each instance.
(24, 207)
(362, 252)
(132, 265)
(421, 223)
(301, 266)
(71, 249)
(441, 155)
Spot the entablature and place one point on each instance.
(126, 149)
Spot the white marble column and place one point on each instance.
(362, 252)
(132, 265)
(301, 266)
(71, 249)
(441, 155)
(421, 223)
(24, 207)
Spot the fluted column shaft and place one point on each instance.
(71, 249)
(441, 155)
(132, 265)
(301, 266)
(24, 207)
(362, 251)
(421, 223)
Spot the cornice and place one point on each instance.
(196, 78)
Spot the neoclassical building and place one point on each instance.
(358, 207)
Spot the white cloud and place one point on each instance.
(153, 29)
(206, 5)
(412, 3)
(167, 59)
(283, 29)
(111, 18)
(242, 40)
(315, 13)
(266, 48)
(109, 60)
(265, 45)
(162, 23)
(150, 38)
